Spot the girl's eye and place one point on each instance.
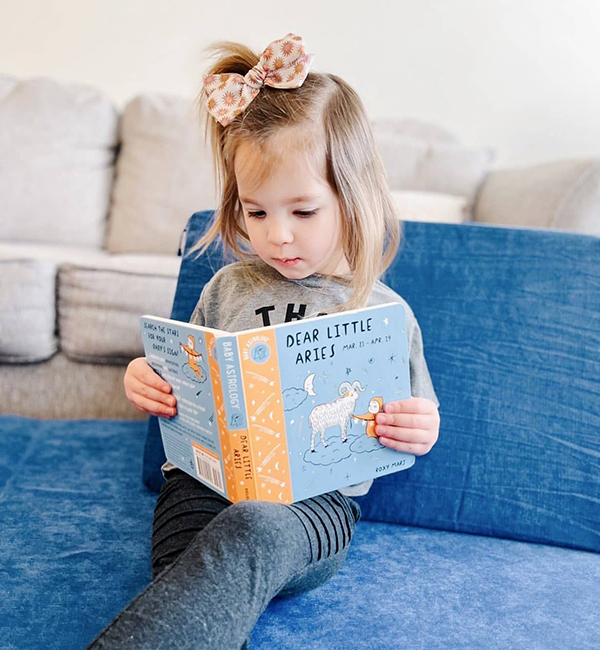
(300, 213)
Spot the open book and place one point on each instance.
(285, 412)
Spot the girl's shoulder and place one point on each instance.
(382, 293)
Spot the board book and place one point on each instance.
(285, 412)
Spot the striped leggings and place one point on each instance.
(216, 565)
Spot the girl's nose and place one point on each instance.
(279, 232)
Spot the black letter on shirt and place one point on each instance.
(290, 314)
(264, 311)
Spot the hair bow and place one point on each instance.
(283, 64)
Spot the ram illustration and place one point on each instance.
(335, 412)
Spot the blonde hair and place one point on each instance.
(336, 133)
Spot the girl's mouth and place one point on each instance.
(290, 261)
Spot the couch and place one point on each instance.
(93, 200)
(491, 540)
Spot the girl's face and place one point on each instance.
(293, 218)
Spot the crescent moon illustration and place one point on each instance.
(280, 497)
(271, 416)
(308, 384)
(277, 465)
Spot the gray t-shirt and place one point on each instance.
(234, 302)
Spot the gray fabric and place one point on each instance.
(57, 151)
(27, 310)
(231, 301)
(427, 160)
(63, 389)
(164, 174)
(564, 194)
(99, 309)
(216, 565)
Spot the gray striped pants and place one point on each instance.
(216, 565)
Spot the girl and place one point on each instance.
(306, 210)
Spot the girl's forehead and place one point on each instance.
(256, 162)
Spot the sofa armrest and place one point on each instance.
(564, 195)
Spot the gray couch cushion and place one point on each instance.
(27, 313)
(164, 174)
(27, 297)
(423, 159)
(563, 194)
(60, 388)
(57, 147)
(99, 306)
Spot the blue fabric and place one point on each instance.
(511, 326)
(75, 530)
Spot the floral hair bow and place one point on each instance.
(283, 64)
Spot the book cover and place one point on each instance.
(286, 412)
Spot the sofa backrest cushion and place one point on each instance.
(564, 194)
(57, 150)
(511, 328)
(418, 157)
(164, 173)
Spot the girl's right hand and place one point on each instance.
(147, 391)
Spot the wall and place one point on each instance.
(519, 76)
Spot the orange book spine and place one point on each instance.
(232, 392)
(224, 433)
(266, 418)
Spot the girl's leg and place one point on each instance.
(236, 561)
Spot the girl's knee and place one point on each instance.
(257, 521)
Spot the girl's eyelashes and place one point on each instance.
(301, 213)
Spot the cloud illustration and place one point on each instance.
(293, 397)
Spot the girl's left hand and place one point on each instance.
(409, 425)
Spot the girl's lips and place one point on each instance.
(290, 261)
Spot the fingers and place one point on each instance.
(408, 448)
(400, 434)
(151, 399)
(405, 420)
(411, 405)
(147, 391)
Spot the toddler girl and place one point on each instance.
(306, 210)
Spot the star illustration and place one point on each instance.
(392, 358)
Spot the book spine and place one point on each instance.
(224, 435)
(236, 418)
(266, 418)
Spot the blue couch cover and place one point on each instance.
(491, 540)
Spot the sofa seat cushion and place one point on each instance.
(99, 305)
(57, 152)
(27, 297)
(77, 524)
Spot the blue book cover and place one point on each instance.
(286, 412)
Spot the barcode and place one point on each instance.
(208, 468)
